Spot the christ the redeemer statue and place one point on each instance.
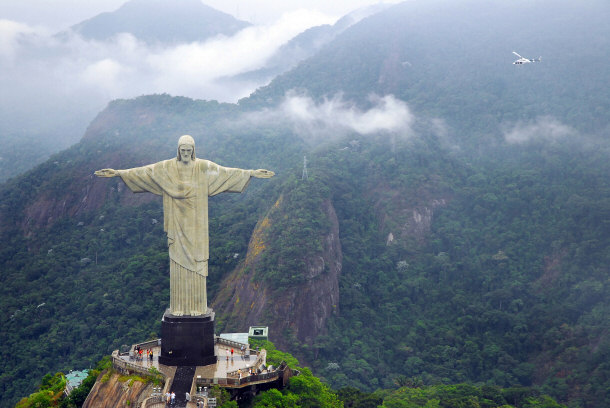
(185, 184)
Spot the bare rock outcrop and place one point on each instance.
(406, 216)
(111, 392)
(300, 310)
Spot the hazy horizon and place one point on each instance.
(54, 85)
(61, 14)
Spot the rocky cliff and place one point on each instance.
(114, 390)
(300, 310)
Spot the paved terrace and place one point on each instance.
(226, 367)
(229, 371)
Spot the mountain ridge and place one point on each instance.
(182, 21)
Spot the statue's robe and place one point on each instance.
(185, 219)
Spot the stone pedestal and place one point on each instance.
(187, 340)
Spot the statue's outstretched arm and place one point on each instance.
(262, 173)
(107, 173)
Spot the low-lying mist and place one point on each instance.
(56, 83)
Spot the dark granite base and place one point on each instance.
(187, 340)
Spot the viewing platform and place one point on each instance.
(237, 372)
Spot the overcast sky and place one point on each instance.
(56, 84)
(59, 14)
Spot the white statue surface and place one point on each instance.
(185, 183)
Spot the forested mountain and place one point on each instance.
(453, 226)
(452, 60)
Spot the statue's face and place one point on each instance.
(186, 152)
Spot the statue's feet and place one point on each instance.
(195, 313)
(178, 313)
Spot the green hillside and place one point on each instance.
(509, 287)
(306, 390)
(474, 242)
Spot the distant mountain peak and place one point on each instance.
(359, 14)
(161, 21)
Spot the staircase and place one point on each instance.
(182, 384)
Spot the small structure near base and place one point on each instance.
(74, 379)
(259, 332)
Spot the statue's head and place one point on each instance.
(186, 145)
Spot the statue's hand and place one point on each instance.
(262, 173)
(106, 173)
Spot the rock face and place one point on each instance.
(114, 393)
(65, 185)
(301, 310)
(86, 194)
(406, 216)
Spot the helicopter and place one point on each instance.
(523, 60)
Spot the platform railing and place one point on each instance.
(258, 363)
(236, 382)
(149, 344)
(231, 343)
(127, 367)
(146, 345)
(152, 401)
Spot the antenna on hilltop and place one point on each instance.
(305, 175)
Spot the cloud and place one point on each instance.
(184, 69)
(335, 117)
(387, 114)
(104, 73)
(11, 32)
(544, 128)
(65, 74)
(222, 56)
